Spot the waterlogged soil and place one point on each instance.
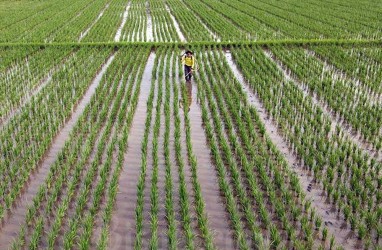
(174, 175)
(228, 178)
(12, 221)
(122, 227)
(146, 224)
(214, 204)
(313, 192)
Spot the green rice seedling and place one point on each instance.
(332, 240)
(324, 234)
(35, 238)
(318, 222)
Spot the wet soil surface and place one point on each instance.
(207, 176)
(123, 223)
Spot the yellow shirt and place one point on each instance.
(189, 61)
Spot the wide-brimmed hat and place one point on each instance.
(189, 52)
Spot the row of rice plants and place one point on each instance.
(136, 22)
(300, 25)
(75, 27)
(28, 135)
(363, 64)
(190, 26)
(88, 165)
(12, 56)
(106, 27)
(18, 13)
(39, 15)
(245, 153)
(19, 81)
(217, 22)
(346, 24)
(348, 176)
(169, 167)
(206, 233)
(163, 26)
(42, 31)
(282, 26)
(154, 192)
(343, 96)
(139, 216)
(240, 25)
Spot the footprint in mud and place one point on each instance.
(328, 223)
(309, 187)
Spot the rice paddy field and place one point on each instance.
(276, 143)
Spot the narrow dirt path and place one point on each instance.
(13, 220)
(207, 176)
(124, 18)
(350, 133)
(122, 226)
(313, 192)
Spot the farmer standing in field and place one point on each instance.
(189, 63)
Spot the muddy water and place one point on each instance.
(177, 28)
(336, 120)
(83, 34)
(123, 224)
(198, 241)
(146, 224)
(11, 223)
(149, 30)
(162, 221)
(124, 18)
(98, 220)
(207, 176)
(313, 192)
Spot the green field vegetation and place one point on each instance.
(77, 76)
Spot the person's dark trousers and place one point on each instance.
(187, 72)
